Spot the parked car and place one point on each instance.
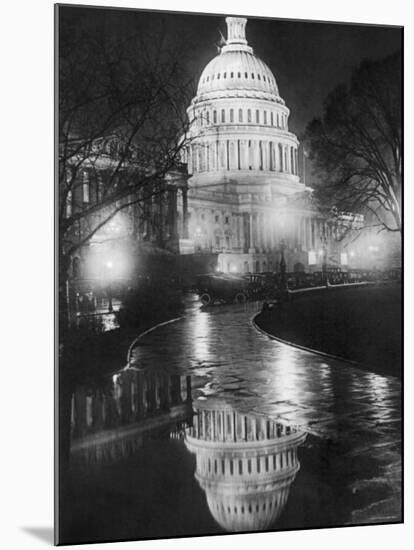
(222, 287)
(228, 288)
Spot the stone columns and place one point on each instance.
(251, 234)
(185, 213)
(172, 212)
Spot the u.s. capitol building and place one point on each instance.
(246, 200)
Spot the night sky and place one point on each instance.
(307, 59)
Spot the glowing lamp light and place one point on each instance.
(352, 253)
(320, 252)
(233, 268)
(109, 264)
(311, 257)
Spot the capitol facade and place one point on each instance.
(246, 200)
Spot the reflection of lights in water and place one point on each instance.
(377, 386)
(244, 463)
(201, 335)
(109, 322)
(287, 379)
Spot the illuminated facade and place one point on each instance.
(246, 200)
(245, 464)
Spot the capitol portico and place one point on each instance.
(246, 200)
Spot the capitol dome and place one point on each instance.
(239, 123)
(237, 69)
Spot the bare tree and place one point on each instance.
(356, 146)
(122, 124)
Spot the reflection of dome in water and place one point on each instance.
(245, 464)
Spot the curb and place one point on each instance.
(304, 348)
(158, 325)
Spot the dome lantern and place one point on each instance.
(236, 30)
(236, 35)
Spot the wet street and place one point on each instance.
(213, 427)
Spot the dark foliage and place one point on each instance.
(356, 146)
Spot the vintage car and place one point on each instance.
(222, 287)
(228, 288)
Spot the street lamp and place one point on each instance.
(282, 266)
(324, 254)
(109, 266)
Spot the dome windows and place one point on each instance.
(253, 76)
(231, 75)
(240, 115)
